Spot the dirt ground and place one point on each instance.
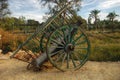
(12, 69)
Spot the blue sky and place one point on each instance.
(31, 9)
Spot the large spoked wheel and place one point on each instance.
(68, 48)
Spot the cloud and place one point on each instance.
(105, 6)
(108, 4)
(15, 4)
(20, 4)
(31, 9)
(35, 16)
(118, 18)
(89, 5)
(102, 15)
(88, 2)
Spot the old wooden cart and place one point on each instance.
(61, 41)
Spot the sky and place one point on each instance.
(32, 9)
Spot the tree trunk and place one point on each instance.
(112, 25)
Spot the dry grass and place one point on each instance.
(9, 41)
(105, 46)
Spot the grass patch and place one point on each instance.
(105, 53)
(105, 47)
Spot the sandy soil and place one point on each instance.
(12, 69)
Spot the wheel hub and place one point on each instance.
(69, 47)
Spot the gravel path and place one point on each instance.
(12, 69)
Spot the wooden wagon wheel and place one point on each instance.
(68, 48)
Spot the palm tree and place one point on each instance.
(94, 14)
(89, 21)
(111, 16)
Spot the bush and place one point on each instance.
(9, 41)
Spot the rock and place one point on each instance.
(0, 51)
(20, 54)
(9, 53)
(25, 56)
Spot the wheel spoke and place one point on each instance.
(69, 35)
(64, 36)
(78, 58)
(68, 60)
(73, 60)
(59, 57)
(62, 39)
(72, 35)
(55, 46)
(78, 38)
(64, 58)
(73, 32)
(83, 42)
(57, 42)
(55, 52)
(82, 48)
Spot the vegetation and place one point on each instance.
(57, 4)
(104, 46)
(111, 16)
(13, 24)
(105, 42)
(94, 15)
(4, 8)
(9, 41)
(103, 25)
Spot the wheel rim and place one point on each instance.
(68, 48)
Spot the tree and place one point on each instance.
(7, 23)
(55, 5)
(89, 22)
(4, 8)
(111, 16)
(32, 23)
(94, 14)
(76, 19)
